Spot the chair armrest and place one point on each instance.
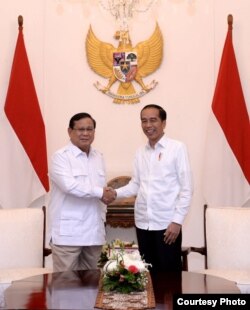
(46, 252)
(201, 250)
(184, 253)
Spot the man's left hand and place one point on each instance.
(172, 233)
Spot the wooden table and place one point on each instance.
(78, 290)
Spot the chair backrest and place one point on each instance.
(227, 238)
(22, 235)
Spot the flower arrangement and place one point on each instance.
(125, 272)
(109, 250)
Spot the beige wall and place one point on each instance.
(194, 33)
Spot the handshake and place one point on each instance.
(109, 195)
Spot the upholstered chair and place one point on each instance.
(22, 245)
(227, 244)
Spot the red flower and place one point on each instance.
(133, 269)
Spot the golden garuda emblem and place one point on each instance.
(125, 64)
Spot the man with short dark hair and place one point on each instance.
(162, 183)
(77, 215)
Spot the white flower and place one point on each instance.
(110, 266)
(134, 255)
(130, 260)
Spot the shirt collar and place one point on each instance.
(162, 143)
(76, 151)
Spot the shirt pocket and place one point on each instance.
(71, 223)
(79, 172)
(164, 167)
(80, 175)
(101, 177)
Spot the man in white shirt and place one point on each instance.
(162, 183)
(76, 212)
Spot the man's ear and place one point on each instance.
(69, 130)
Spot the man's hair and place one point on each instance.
(79, 116)
(162, 112)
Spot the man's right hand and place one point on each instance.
(109, 195)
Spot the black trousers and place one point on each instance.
(155, 251)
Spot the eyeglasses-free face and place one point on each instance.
(83, 134)
(82, 130)
(152, 125)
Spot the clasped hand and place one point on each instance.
(109, 195)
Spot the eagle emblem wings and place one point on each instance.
(125, 63)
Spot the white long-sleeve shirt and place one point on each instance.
(162, 182)
(76, 213)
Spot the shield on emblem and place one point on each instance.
(125, 66)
